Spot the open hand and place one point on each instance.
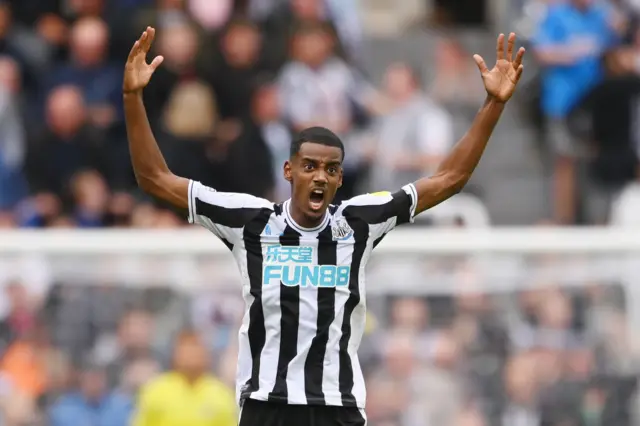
(137, 72)
(501, 81)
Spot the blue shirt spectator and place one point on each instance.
(111, 410)
(90, 69)
(570, 42)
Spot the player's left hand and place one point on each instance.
(501, 81)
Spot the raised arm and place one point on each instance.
(456, 169)
(150, 168)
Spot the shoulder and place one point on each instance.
(603, 11)
(559, 10)
(216, 386)
(290, 72)
(369, 199)
(65, 404)
(158, 386)
(233, 200)
(555, 14)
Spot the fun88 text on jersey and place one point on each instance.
(294, 266)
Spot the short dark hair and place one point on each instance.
(319, 135)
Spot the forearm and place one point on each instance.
(146, 158)
(466, 154)
(457, 167)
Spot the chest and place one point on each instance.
(307, 260)
(189, 407)
(579, 27)
(326, 82)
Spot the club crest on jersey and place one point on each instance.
(340, 229)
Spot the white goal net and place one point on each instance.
(496, 326)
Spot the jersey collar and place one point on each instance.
(294, 225)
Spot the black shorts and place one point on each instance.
(260, 413)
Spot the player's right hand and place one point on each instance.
(137, 72)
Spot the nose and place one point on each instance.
(320, 178)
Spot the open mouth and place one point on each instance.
(316, 199)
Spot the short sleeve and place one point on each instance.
(382, 211)
(223, 213)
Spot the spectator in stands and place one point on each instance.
(187, 393)
(413, 138)
(237, 68)
(390, 396)
(90, 69)
(251, 165)
(189, 139)
(318, 88)
(12, 136)
(31, 362)
(68, 145)
(178, 43)
(611, 109)
(569, 44)
(90, 196)
(439, 378)
(21, 315)
(134, 376)
(90, 403)
(133, 341)
(266, 117)
(453, 84)
(20, 44)
(522, 387)
(211, 15)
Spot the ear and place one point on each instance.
(287, 171)
(340, 179)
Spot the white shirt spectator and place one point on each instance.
(321, 95)
(419, 127)
(624, 210)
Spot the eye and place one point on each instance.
(333, 170)
(308, 167)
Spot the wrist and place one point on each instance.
(131, 93)
(492, 101)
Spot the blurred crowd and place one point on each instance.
(78, 354)
(588, 90)
(239, 77)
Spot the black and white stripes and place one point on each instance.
(304, 290)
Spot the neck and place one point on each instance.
(302, 219)
(190, 376)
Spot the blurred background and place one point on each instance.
(469, 339)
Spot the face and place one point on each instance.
(9, 75)
(266, 105)
(191, 357)
(313, 48)
(315, 173)
(179, 45)
(241, 45)
(307, 9)
(582, 4)
(399, 82)
(136, 330)
(93, 383)
(89, 42)
(65, 110)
